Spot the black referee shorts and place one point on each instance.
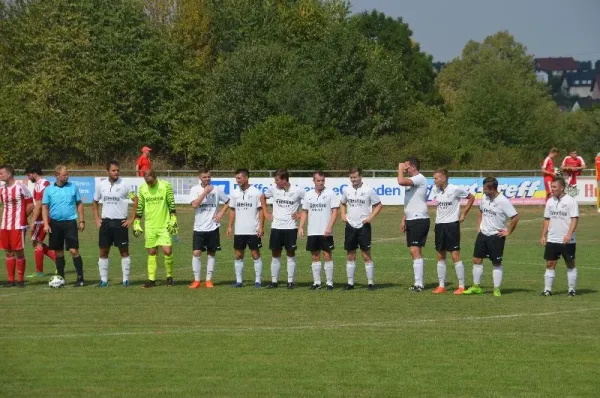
(416, 232)
(491, 247)
(64, 235)
(554, 251)
(113, 233)
(447, 237)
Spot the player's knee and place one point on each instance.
(477, 261)
(19, 253)
(351, 256)
(551, 264)
(290, 253)
(327, 256)
(366, 256)
(255, 254)
(276, 253)
(455, 257)
(9, 254)
(197, 253)
(211, 254)
(167, 251)
(74, 252)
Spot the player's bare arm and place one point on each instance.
(37, 210)
(221, 213)
(545, 226)
(332, 220)
(403, 224)
(403, 181)
(261, 223)
(479, 218)
(467, 208)
(571, 231)
(265, 211)
(374, 213)
(230, 221)
(196, 202)
(96, 213)
(511, 226)
(46, 218)
(343, 212)
(81, 216)
(127, 223)
(303, 216)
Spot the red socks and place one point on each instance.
(21, 269)
(11, 264)
(38, 255)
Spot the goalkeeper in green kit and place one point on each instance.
(156, 203)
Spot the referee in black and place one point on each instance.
(61, 206)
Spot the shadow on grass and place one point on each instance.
(515, 290)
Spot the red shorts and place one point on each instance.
(12, 239)
(547, 182)
(37, 233)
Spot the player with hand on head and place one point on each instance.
(245, 210)
(492, 232)
(359, 207)
(561, 216)
(284, 232)
(35, 175)
(549, 171)
(415, 222)
(156, 202)
(17, 205)
(205, 201)
(447, 227)
(114, 223)
(320, 207)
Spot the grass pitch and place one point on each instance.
(258, 342)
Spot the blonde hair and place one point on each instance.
(59, 168)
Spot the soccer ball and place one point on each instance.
(56, 282)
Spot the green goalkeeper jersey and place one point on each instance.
(156, 204)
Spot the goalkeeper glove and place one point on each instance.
(137, 227)
(172, 226)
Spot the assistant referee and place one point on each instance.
(61, 205)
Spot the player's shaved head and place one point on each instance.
(491, 183)
(560, 181)
(7, 169)
(203, 170)
(243, 172)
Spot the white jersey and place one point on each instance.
(415, 198)
(114, 197)
(319, 208)
(285, 203)
(359, 202)
(494, 214)
(560, 212)
(207, 210)
(448, 203)
(247, 206)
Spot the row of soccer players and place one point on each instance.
(319, 207)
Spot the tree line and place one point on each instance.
(264, 84)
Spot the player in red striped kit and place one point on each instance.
(34, 173)
(573, 165)
(17, 205)
(548, 171)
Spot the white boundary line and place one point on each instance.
(389, 325)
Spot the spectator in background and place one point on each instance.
(143, 162)
(572, 165)
(549, 171)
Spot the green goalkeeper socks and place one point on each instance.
(168, 265)
(152, 267)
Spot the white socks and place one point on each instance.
(196, 267)
(103, 268)
(497, 276)
(370, 269)
(258, 270)
(350, 268)
(418, 268)
(316, 270)
(477, 273)
(291, 269)
(125, 267)
(239, 270)
(210, 267)
(329, 272)
(460, 273)
(441, 271)
(275, 268)
(572, 278)
(549, 279)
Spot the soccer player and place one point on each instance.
(415, 222)
(143, 163)
(598, 182)
(284, 232)
(113, 224)
(447, 227)
(548, 171)
(573, 165)
(17, 205)
(206, 199)
(320, 207)
(35, 175)
(245, 210)
(357, 212)
(558, 235)
(156, 202)
(61, 206)
(492, 233)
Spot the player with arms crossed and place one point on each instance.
(358, 213)
(113, 224)
(495, 208)
(17, 205)
(206, 199)
(156, 202)
(447, 227)
(558, 235)
(548, 171)
(245, 210)
(284, 232)
(35, 175)
(415, 222)
(573, 165)
(320, 207)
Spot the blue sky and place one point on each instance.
(547, 27)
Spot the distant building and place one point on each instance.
(595, 90)
(578, 84)
(555, 66)
(586, 103)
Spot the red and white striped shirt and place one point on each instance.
(38, 195)
(15, 200)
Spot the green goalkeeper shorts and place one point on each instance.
(157, 237)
